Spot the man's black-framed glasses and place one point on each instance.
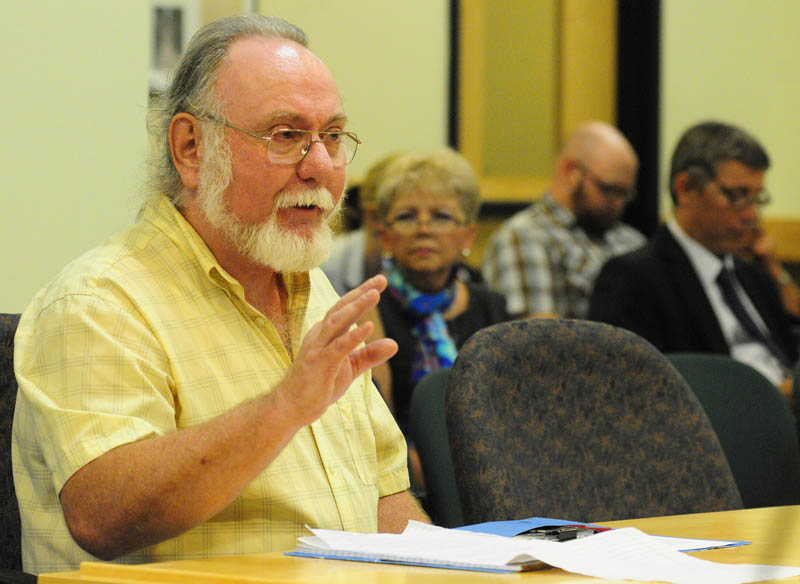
(290, 145)
(610, 190)
(740, 198)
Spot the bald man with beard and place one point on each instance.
(545, 258)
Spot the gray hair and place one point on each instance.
(706, 145)
(441, 173)
(193, 85)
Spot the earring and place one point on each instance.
(465, 252)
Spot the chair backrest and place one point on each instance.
(429, 432)
(10, 534)
(754, 424)
(578, 420)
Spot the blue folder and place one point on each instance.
(516, 526)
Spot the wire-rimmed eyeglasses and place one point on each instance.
(290, 145)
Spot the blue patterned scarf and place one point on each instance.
(435, 348)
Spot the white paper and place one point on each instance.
(423, 543)
(624, 553)
(689, 544)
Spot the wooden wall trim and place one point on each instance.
(472, 46)
(786, 233)
(588, 65)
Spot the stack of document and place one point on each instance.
(624, 553)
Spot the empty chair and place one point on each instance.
(754, 424)
(429, 432)
(578, 420)
(10, 530)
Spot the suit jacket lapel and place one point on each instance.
(690, 289)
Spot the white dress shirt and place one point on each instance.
(742, 345)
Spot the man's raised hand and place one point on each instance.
(329, 358)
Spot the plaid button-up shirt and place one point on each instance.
(146, 335)
(542, 262)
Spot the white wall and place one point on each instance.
(736, 61)
(73, 101)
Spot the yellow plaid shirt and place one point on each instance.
(146, 335)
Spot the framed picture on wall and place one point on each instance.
(172, 23)
(527, 74)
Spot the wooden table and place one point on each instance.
(774, 531)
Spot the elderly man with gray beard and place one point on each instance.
(194, 387)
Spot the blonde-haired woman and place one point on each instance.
(427, 205)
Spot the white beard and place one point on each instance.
(267, 243)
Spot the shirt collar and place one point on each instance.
(163, 214)
(706, 264)
(559, 213)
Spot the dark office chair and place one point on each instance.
(429, 432)
(754, 424)
(10, 531)
(578, 420)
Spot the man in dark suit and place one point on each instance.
(686, 290)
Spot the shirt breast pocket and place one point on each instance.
(359, 435)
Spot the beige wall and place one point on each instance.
(74, 78)
(737, 61)
(390, 60)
